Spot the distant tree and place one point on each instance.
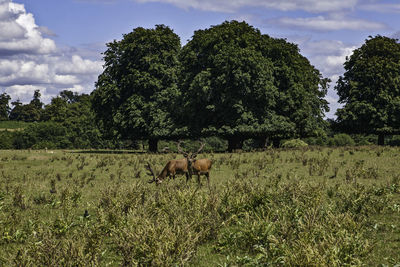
(16, 111)
(4, 106)
(73, 111)
(69, 96)
(370, 89)
(239, 84)
(36, 102)
(136, 92)
(28, 112)
(56, 111)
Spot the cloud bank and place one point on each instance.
(30, 61)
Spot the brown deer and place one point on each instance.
(197, 166)
(188, 166)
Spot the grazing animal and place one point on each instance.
(188, 166)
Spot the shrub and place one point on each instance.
(341, 140)
(294, 143)
(40, 135)
(6, 140)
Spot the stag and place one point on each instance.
(188, 166)
(197, 166)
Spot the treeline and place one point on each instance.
(229, 84)
(233, 82)
(66, 122)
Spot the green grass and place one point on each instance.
(13, 125)
(314, 206)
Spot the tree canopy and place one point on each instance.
(370, 89)
(238, 83)
(28, 112)
(137, 90)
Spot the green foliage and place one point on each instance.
(370, 88)
(42, 135)
(74, 112)
(29, 112)
(294, 143)
(341, 140)
(243, 85)
(229, 82)
(4, 106)
(136, 93)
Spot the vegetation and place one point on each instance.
(242, 84)
(4, 106)
(238, 90)
(370, 89)
(136, 94)
(310, 206)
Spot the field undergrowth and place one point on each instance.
(307, 207)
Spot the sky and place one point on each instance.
(51, 45)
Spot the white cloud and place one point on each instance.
(77, 65)
(383, 8)
(328, 56)
(322, 23)
(314, 6)
(19, 33)
(29, 61)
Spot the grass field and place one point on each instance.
(309, 207)
(13, 125)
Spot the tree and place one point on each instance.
(35, 102)
(73, 111)
(136, 92)
(15, 113)
(370, 89)
(4, 106)
(301, 87)
(29, 112)
(239, 84)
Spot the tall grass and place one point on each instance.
(307, 207)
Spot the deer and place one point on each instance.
(188, 166)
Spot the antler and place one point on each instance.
(198, 151)
(148, 167)
(180, 150)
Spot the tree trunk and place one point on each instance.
(381, 139)
(262, 142)
(276, 142)
(153, 145)
(234, 143)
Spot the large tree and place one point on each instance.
(136, 92)
(239, 84)
(301, 87)
(370, 89)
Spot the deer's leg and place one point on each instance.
(198, 179)
(208, 178)
(187, 176)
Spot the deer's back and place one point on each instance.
(202, 165)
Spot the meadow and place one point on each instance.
(295, 207)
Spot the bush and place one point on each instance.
(341, 140)
(6, 140)
(40, 135)
(317, 141)
(394, 141)
(294, 143)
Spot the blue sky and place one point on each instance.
(56, 45)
